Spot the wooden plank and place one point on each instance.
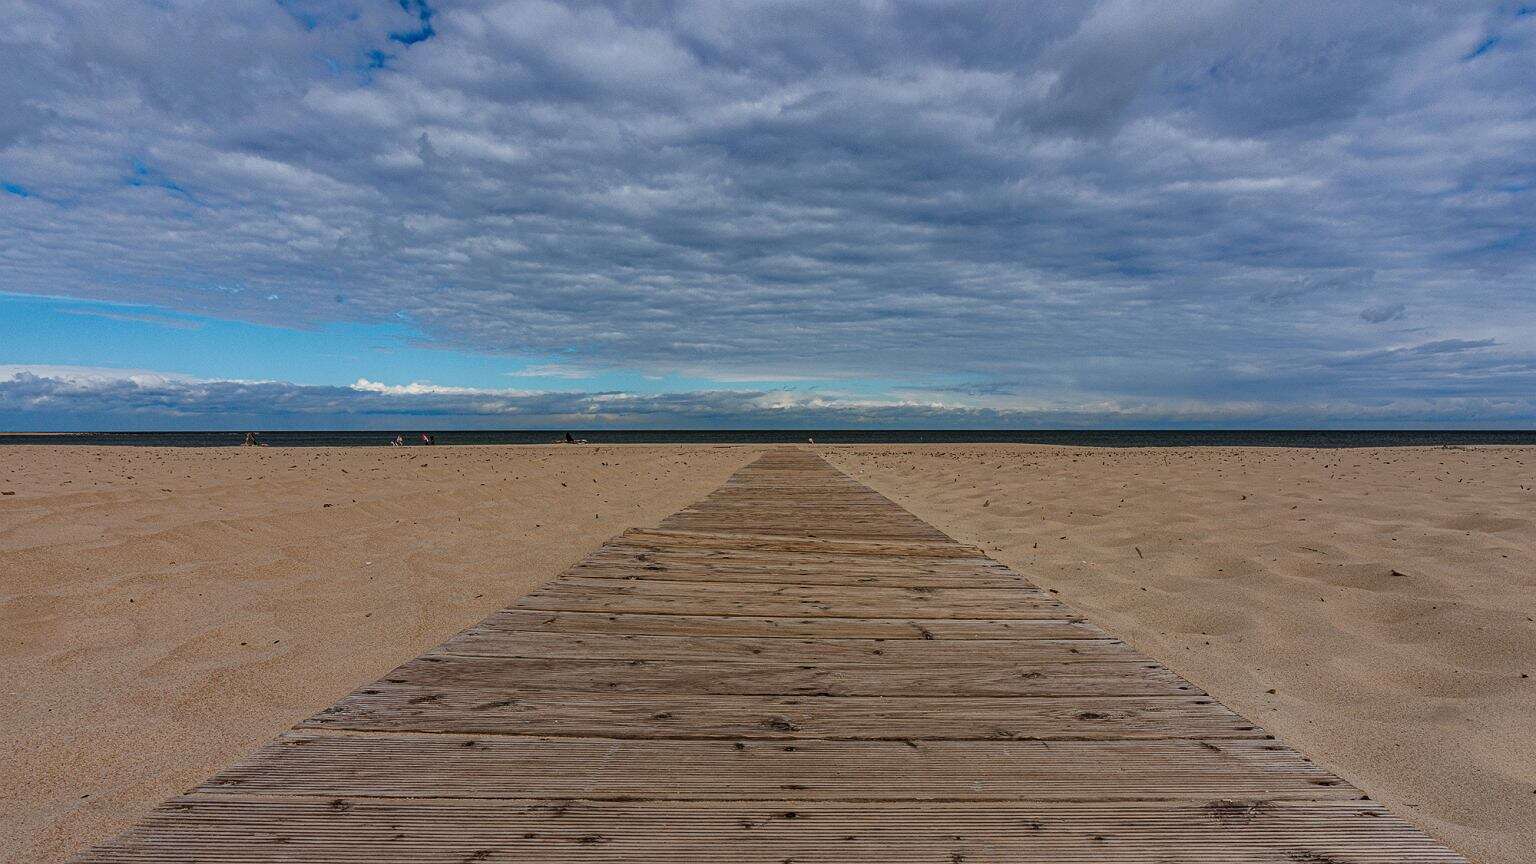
(620, 552)
(395, 708)
(792, 525)
(841, 546)
(724, 551)
(293, 830)
(739, 574)
(600, 595)
(494, 642)
(936, 629)
(750, 592)
(620, 561)
(498, 766)
(764, 598)
(436, 674)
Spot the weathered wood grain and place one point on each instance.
(468, 766)
(434, 673)
(936, 629)
(616, 561)
(741, 540)
(494, 642)
(693, 598)
(396, 708)
(215, 829)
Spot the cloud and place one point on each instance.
(1383, 312)
(551, 370)
(69, 399)
(89, 377)
(421, 388)
(1307, 287)
(1110, 201)
(1452, 346)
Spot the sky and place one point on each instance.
(376, 213)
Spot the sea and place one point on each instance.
(1069, 437)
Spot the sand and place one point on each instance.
(1374, 608)
(165, 611)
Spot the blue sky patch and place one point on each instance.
(1092, 213)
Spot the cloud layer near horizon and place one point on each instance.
(1014, 209)
(103, 399)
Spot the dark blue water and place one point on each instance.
(1080, 438)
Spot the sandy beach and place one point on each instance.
(1374, 608)
(165, 611)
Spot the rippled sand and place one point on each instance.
(163, 611)
(1375, 608)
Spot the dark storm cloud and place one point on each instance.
(1101, 201)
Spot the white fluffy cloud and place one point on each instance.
(1219, 203)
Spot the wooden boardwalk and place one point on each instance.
(793, 670)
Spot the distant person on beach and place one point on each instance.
(250, 440)
(569, 439)
(399, 441)
(427, 439)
